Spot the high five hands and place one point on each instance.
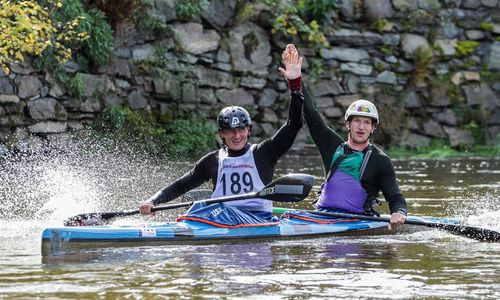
(292, 63)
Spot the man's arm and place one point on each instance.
(203, 171)
(390, 187)
(326, 139)
(283, 139)
(271, 149)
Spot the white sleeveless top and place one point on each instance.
(239, 175)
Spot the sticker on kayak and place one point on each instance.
(147, 232)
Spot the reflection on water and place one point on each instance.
(379, 267)
(40, 191)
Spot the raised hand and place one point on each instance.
(292, 62)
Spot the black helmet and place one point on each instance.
(233, 117)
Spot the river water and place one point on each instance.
(41, 191)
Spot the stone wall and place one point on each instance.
(405, 55)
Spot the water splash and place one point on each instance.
(480, 209)
(51, 186)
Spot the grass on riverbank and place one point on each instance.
(439, 150)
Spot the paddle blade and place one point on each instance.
(480, 234)
(89, 219)
(97, 219)
(292, 187)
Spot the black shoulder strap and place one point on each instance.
(365, 161)
(335, 164)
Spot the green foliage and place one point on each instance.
(486, 26)
(489, 75)
(474, 120)
(246, 11)
(438, 49)
(386, 49)
(292, 17)
(147, 21)
(466, 48)
(69, 10)
(436, 149)
(379, 66)
(29, 28)
(420, 16)
(189, 137)
(471, 126)
(317, 69)
(381, 25)
(439, 149)
(182, 138)
(123, 126)
(318, 10)
(45, 59)
(423, 60)
(444, 151)
(99, 42)
(476, 131)
(73, 83)
(99, 46)
(76, 87)
(188, 9)
(315, 35)
(288, 22)
(455, 94)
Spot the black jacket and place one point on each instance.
(266, 157)
(379, 174)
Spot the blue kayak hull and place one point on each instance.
(59, 239)
(62, 239)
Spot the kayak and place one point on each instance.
(60, 240)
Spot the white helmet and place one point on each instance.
(363, 108)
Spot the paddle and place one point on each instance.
(289, 188)
(480, 234)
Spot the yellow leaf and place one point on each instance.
(19, 56)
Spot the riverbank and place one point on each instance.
(111, 146)
(435, 151)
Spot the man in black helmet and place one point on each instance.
(239, 167)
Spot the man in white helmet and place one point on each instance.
(356, 171)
